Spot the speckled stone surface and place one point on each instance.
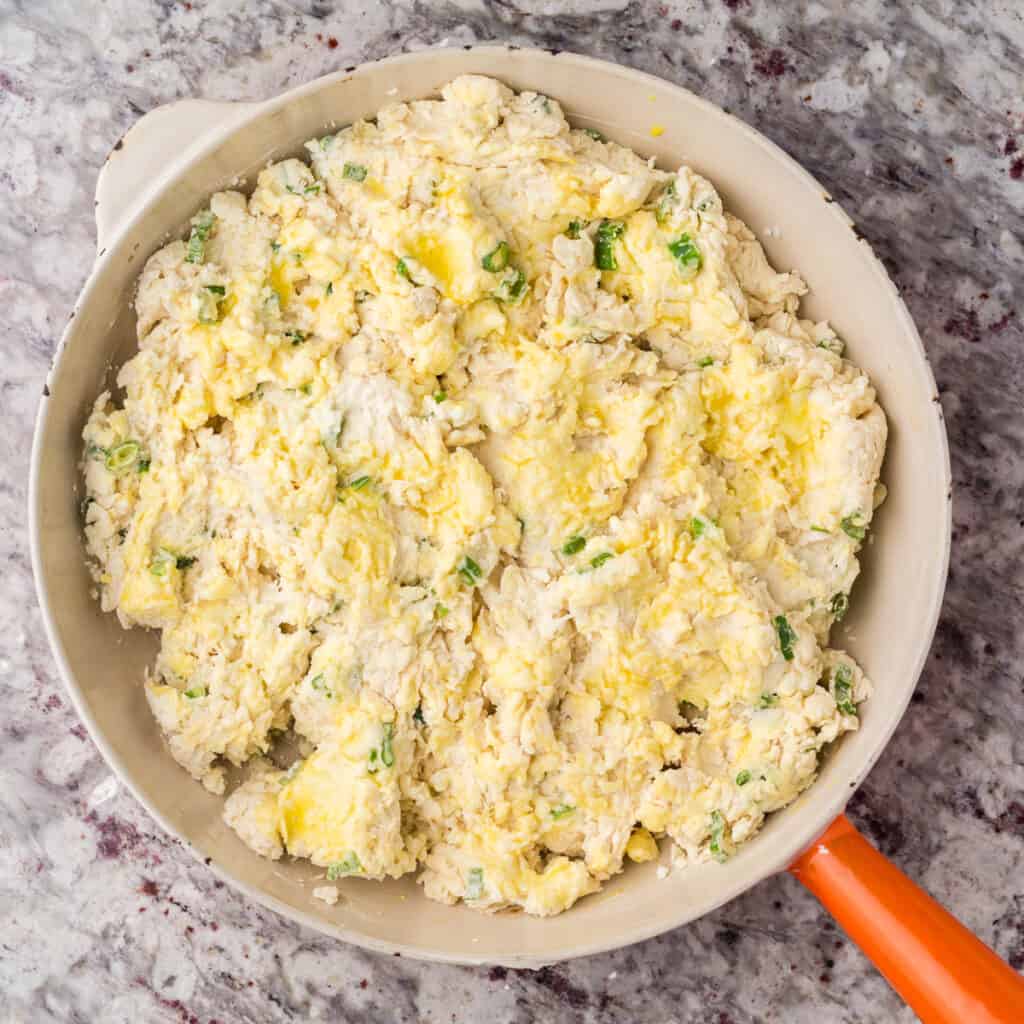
(912, 115)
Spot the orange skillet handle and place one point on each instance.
(945, 974)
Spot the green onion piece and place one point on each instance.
(819, 529)
(348, 865)
(124, 457)
(497, 259)
(373, 765)
(417, 715)
(475, 884)
(562, 810)
(202, 225)
(575, 228)
(96, 452)
(208, 309)
(697, 526)
(354, 172)
(440, 611)
(668, 199)
(312, 190)
(598, 560)
(594, 134)
(359, 483)
(512, 286)
(319, 684)
(687, 256)
(469, 571)
(743, 778)
(275, 246)
(717, 835)
(842, 684)
(387, 755)
(767, 700)
(185, 561)
(440, 395)
(215, 289)
(196, 692)
(786, 636)
(854, 526)
(604, 241)
(402, 269)
(574, 545)
(840, 604)
(705, 361)
(296, 337)
(329, 290)
(162, 561)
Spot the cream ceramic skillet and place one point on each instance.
(164, 170)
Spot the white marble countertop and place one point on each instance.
(911, 114)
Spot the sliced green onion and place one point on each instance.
(840, 604)
(124, 457)
(208, 307)
(387, 755)
(348, 865)
(296, 337)
(161, 563)
(743, 778)
(512, 286)
(96, 452)
(574, 545)
(440, 611)
(717, 836)
(687, 256)
(319, 684)
(202, 225)
(440, 395)
(417, 715)
(196, 692)
(275, 246)
(594, 134)
(705, 361)
(354, 172)
(215, 289)
(329, 290)
(842, 684)
(562, 810)
(475, 884)
(575, 228)
(786, 636)
(185, 561)
(598, 560)
(767, 700)
(697, 526)
(854, 526)
(497, 259)
(668, 199)
(604, 242)
(469, 571)
(359, 483)
(402, 269)
(312, 190)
